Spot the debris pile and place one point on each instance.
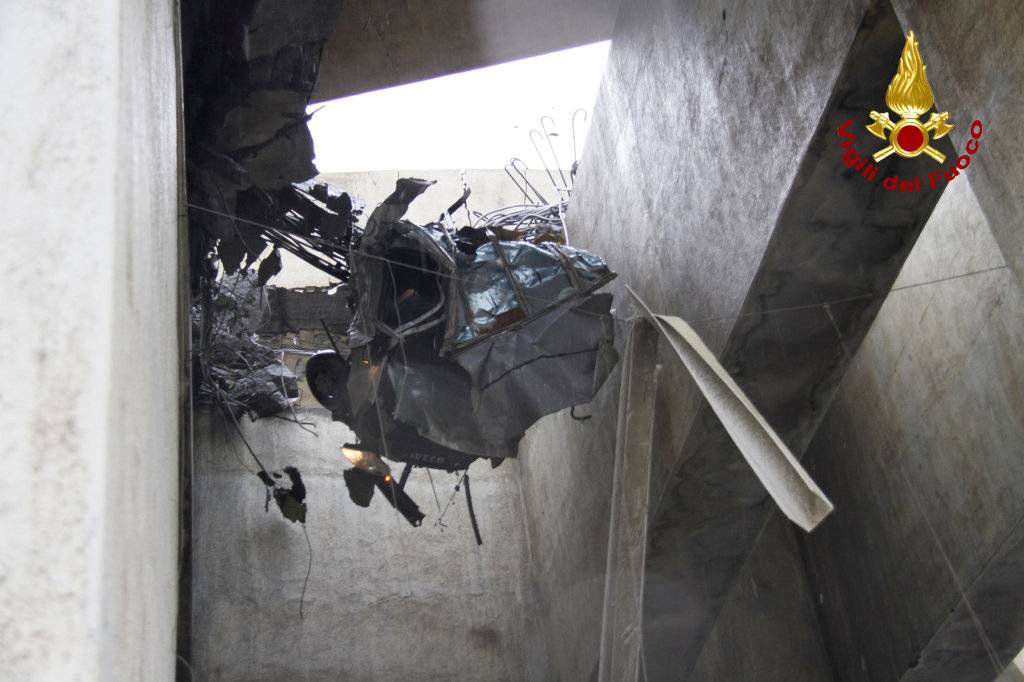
(460, 340)
(236, 370)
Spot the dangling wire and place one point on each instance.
(549, 134)
(309, 569)
(575, 149)
(472, 513)
(451, 499)
(521, 172)
(540, 155)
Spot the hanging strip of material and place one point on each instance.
(787, 482)
(622, 617)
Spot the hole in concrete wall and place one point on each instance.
(475, 120)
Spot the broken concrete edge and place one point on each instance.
(788, 483)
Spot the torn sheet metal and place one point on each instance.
(797, 495)
(509, 281)
(621, 650)
(460, 341)
(482, 400)
(408, 278)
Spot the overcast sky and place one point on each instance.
(476, 119)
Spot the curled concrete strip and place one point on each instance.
(797, 495)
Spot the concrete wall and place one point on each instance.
(682, 186)
(89, 510)
(766, 629)
(687, 224)
(694, 158)
(918, 576)
(567, 484)
(919, 571)
(385, 600)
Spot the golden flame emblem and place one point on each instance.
(910, 96)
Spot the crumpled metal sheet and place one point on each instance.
(543, 275)
(482, 401)
(498, 286)
(369, 262)
(460, 342)
(558, 360)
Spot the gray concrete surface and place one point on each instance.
(919, 571)
(686, 223)
(566, 481)
(973, 50)
(381, 44)
(765, 628)
(821, 280)
(683, 86)
(385, 600)
(89, 503)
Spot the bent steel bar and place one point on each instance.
(787, 482)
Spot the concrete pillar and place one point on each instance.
(89, 499)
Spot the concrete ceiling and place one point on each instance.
(382, 43)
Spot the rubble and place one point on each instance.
(235, 370)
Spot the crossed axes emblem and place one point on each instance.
(909, 95)
(909, 137)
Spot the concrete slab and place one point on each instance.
(382, 44)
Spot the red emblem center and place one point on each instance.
(910, 138)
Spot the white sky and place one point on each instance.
(475, 119)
